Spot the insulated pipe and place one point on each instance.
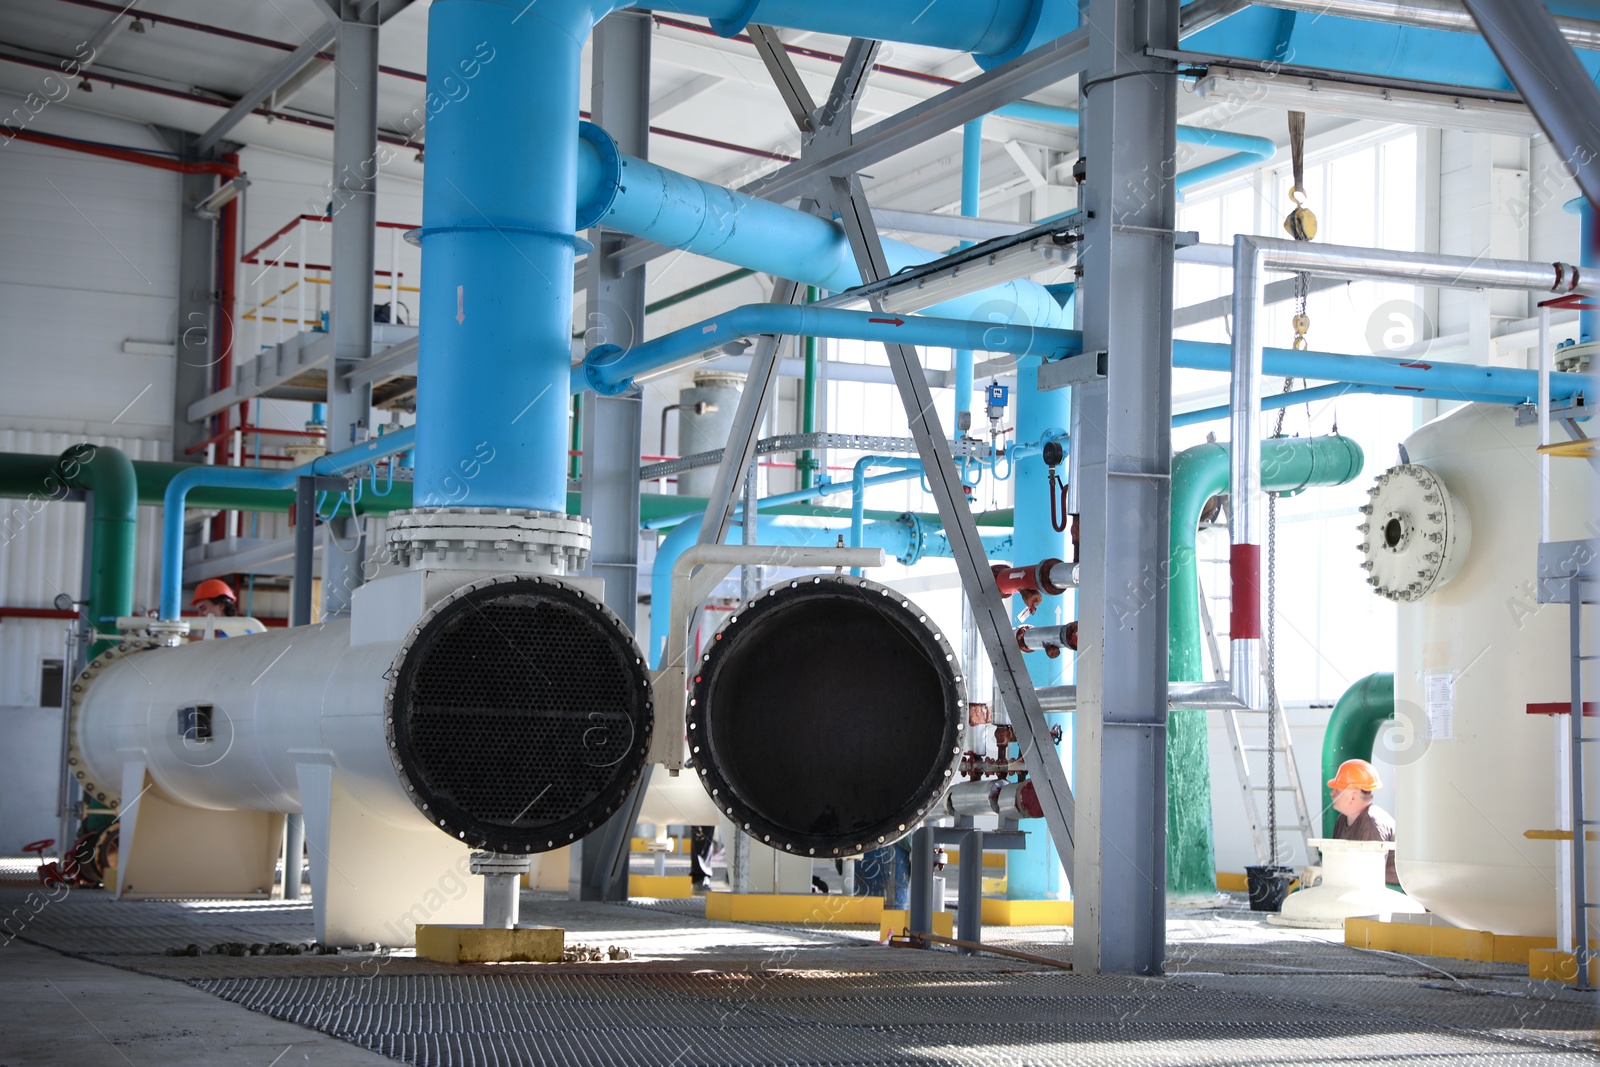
(1009, 800)
(635, 197)
(611, 369)
(175, 499)
(1353, 729)
(1252, 257)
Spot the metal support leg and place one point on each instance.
(969, 891)
(294, 854)
(502, 887)
(305, 543)
(921, 917)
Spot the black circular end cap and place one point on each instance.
(825, 716)
(519, 714)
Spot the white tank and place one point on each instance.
(705, 415)
(1475, 649)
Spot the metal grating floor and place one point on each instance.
(704, 993)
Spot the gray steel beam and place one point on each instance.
(286, 69)
(1121, 442)
(1203, 14)
(796, 97)
(1550, 78)
(613, 425)
(1428, 14)
(355, 222)
(988, 608)
(194, 330)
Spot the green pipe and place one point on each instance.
(1288, 465)
(1353, 730)
(698, 290)
(807, 463)
(575, 459)
(114, 514)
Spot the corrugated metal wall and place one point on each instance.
(44, 557)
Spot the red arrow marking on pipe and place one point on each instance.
(891, 322)
(1418, 366)
(461, 304)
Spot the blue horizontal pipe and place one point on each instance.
(635, 197)
(799, 496)
(177, 495)
(1454, 381)
(1247, 150)
(1328, 392)
(609, 369)
(897, 538)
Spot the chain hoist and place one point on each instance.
(1301, 223)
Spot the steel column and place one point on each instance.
(613, 425)
(194, 331)
(1550, 78)
(969, 893)
(920, 915)
(355, 220)
(1121, 442)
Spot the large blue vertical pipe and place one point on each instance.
(497, 250)
(971, 187)
(1034, 873)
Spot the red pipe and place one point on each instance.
(36, 613)
(126, 155)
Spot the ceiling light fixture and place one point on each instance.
(1257, 89)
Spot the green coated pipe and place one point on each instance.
(1353, 730)
(107, 473)
(1288, 464)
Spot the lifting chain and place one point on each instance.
(1272, 654)
(1301, 223)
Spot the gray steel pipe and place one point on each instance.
(1430, 14)
(1213, 695)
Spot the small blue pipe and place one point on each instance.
(858, 491)
(1248, 151)
(1327, 392)
(1588, 259)
(906, 539)
(799, 496)
(609, 369)
(1414, 377)
(971, 190)
(177, 494)
(635, 197)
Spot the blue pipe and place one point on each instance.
(971, 189)
(1455, 381)
(799, 496)
(906, 539)
(858, 491)
(177, 494)
(1328, 392)
(1248, 150)
(642, 199)
(610, 369)
(1588, 259)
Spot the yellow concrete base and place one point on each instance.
(1426, 936)
(1553, 966)
(895, 921)
(793, 908)
(660, 886)
(1233, 882)
(1026, 912)
(474, 944)
(991, 860)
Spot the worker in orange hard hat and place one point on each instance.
(215, 598)
(1359, 818)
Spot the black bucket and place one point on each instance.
(1268, 886)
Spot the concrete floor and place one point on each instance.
(87, 980)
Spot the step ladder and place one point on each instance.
(1582, 907)
(1252, 769)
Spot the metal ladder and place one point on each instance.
(1581, 905)
(1288, 771)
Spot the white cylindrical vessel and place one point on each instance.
(1475, 650)
(716, 395)
(276, 700)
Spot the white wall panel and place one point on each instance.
(41, 555)
(88, 259)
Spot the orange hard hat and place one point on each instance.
(1356, 774)
(212, 588)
